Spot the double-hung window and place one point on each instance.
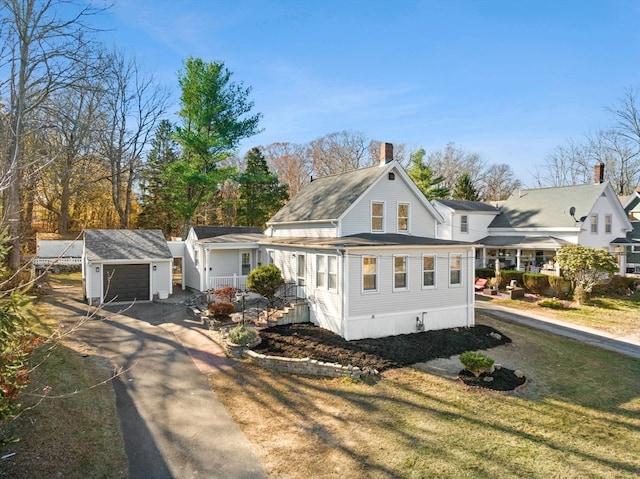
(607, 223)
(455, 269)
(594, 224)
(369, 274)
(377, 216)
(464, 224)
(400, 273)
(332, 272)
(428, 271)
(403, 217)
(320, 272)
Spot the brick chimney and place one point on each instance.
(386, 153)
(599, 173)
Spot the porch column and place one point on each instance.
(518, 263)
(206, 254)
(484, 256)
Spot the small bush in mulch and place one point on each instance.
(304, 340)
(501, 379)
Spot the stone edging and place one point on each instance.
(306, 366)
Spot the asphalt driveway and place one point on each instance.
(173, 424)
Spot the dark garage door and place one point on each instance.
(126, 282)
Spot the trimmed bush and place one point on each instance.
(265, 280)
(221, 309)
(618, 286)
(226, 293)
(242, 335)
(560, 285)
(485, 273)
(536, 282)
(508, 275)
(551, 303)
(476, 363)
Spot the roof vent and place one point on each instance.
(392, 176)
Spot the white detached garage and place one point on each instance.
(126, 265)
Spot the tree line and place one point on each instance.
(86, 142)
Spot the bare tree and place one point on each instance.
(565, 165)
(338, 152)
(452, 162)
(40, 51)
(292, 164)
(498, 182)
(399, 153)
(620, 157)
(132, 106)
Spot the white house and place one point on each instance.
(361, 248)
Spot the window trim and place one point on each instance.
(382, 218)
(321, 270)
(594, 224)
(377, 261)
(406, 272)
(465, 223)
(434, 270)
(407, 218)
(608, 223)
(451, 270)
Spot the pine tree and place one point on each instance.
(464, 189)
(261, 194)
(423, 177)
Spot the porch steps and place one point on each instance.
(294, 313)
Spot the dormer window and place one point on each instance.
(403, 217)
(377, 216)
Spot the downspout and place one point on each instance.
(343, 295)
(471, 311)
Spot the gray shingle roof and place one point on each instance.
(329, 197)
(548, 207)
(203, 232)
(104, 245)
(365, 239)
(464, 205)
(526, 242)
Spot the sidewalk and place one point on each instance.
(620, 344)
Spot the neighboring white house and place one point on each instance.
(631, 205)
(126, 265)
(362, 249)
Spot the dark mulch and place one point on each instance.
(501, 379)
(305, 340)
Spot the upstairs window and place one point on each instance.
(400, 273)
(607, 224)
(377, 216)
(464, 224)
(594, 224)
(455, 269)
(369, 274)
(428, 271)
(403, 217)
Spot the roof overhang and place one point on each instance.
(523, 242)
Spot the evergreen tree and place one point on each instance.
(423, 177)
(156, 198)
(464, 189)
(261, 194)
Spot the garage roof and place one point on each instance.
(101, 245)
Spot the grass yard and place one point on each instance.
(619, 316)
(75, 433)
(579, 416)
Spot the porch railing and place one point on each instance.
(235, 281)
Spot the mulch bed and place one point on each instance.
(503, 379)
(304, 340)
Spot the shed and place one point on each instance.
(126, 265)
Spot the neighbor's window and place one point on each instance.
(455, 269)
(607, 224)
(400, 272)
(594, 223)
(369, 273)
(377, 216)
(464, 224)
(320, 272)
(428, 270)
(403, 217)
(332, 270)
(246, 263)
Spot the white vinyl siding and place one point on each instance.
(400, 273)
(429, 271)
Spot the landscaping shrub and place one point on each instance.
(476, 363)
(226, 293)
(618, 286)
(560, 285)
(265, 280)
(552, 303)
(536, 282)
(485, 273)
(508, 275)
(221, 309)
(242, 335)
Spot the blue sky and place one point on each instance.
(510, 80)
